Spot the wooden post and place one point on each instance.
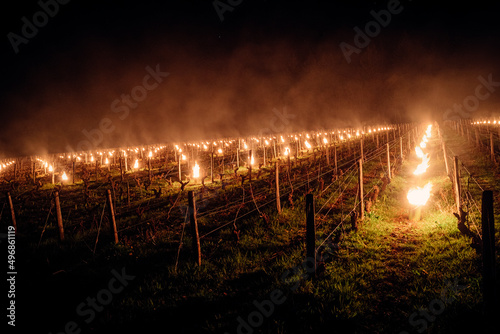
(361, 190)
(112, 212)
(445, 159)
(96, 171)
(401, 147)
(310, 232)
(492, 147)
(377, 141)
(327, 155)
(73, 171)
(488, 229)
(194, 227)
(212, 166)
(388, 162)
(12, 212)
(121, 169)
(457, 185)
(361, 146)
(476, 132)
(335, 151)
(34, 173)
(250, 166)
(278, 201)
(180, 175)
(59, 217)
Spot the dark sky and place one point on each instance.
(266, 59)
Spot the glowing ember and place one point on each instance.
(419, 196)
(196, 170)
(64, 177)
(422, 168)
(307, 144)
(136, 164)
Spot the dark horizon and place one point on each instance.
(225, 78)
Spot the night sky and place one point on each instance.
(268, 66)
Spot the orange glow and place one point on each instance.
(422, 168)
(419, 196)
(196, 170)
(64, 177)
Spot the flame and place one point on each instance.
(419, 152)
(92, 158)
(423, 144)
(422, 168)
(244, 145)
(136, 164)
(252, 161)
(282, 140)
(50, 168)
(325, 141)
(150, 154)
(220, 150)
(307, 144)
(205, 146)
(428, 132)
(64, 177)
(419, 196)
(267, 143)
(287, 150)
(106, 161)
(196, 170)
(183, 157)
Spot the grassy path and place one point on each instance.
(397, 267)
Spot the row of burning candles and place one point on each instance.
(419, 196)
(218, 146)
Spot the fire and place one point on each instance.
(136, 164)
(428, 132)
(287, 150)
(422, 168)
(252, 161)
(325, 141)
(92, 158)
(220, 150)
(419, 196)
(282, 140)
(423, 144)
(183, 157)
(150, 154)
(267, 143)
(64, 177)
(307, 144)
(196, 170)
(244, 145)
(419, 152)
(50, 168)
(106, 161)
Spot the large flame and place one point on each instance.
(419, 196)
(428, 132)
(136, 164)
(252, 161)
(422, 168)
(64, 177)
(419, 152)
(287, 150)
(307, 144)
(196, 170)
